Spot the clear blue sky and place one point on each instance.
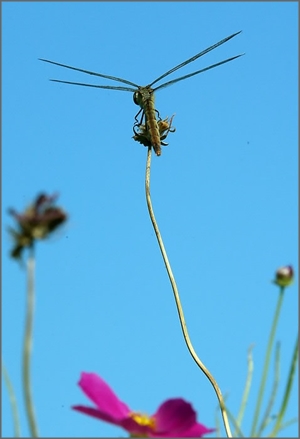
(224, 193)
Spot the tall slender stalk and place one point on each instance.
(245, 396)
(177, 299)
(267, 363)
(287, 393)
(266, 419)
(27, 347)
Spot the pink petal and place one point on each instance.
(109, 407)
(127, 423)
(91, 411)
(198, 430)
(177, 418)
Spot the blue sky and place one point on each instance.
(224, 192)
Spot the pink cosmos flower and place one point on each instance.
(174, 417)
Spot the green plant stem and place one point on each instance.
(28, 336)
(267, 362)
(266, 418)
(283, 426)
(13, 402)
(177, 300)
(287, 392)
(245, 396)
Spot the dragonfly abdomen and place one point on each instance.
(145, 99)
(152, 126)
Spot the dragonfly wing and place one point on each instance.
(166, 84)
(113, 78)
(204, 52)
(109, 87)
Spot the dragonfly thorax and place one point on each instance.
(143, 95)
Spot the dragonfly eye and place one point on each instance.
(136, 98)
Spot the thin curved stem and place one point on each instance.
(177, 300)
(28, 347)
(13, 402)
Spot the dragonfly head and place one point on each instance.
(142, 95)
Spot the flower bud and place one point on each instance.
(284, 276)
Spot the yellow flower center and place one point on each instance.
(143, 420)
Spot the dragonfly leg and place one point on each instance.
(138, 123)
(136, 118)
(158, 115)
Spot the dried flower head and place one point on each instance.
(143, 136)
(37, 222)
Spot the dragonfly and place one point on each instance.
(143, 96)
